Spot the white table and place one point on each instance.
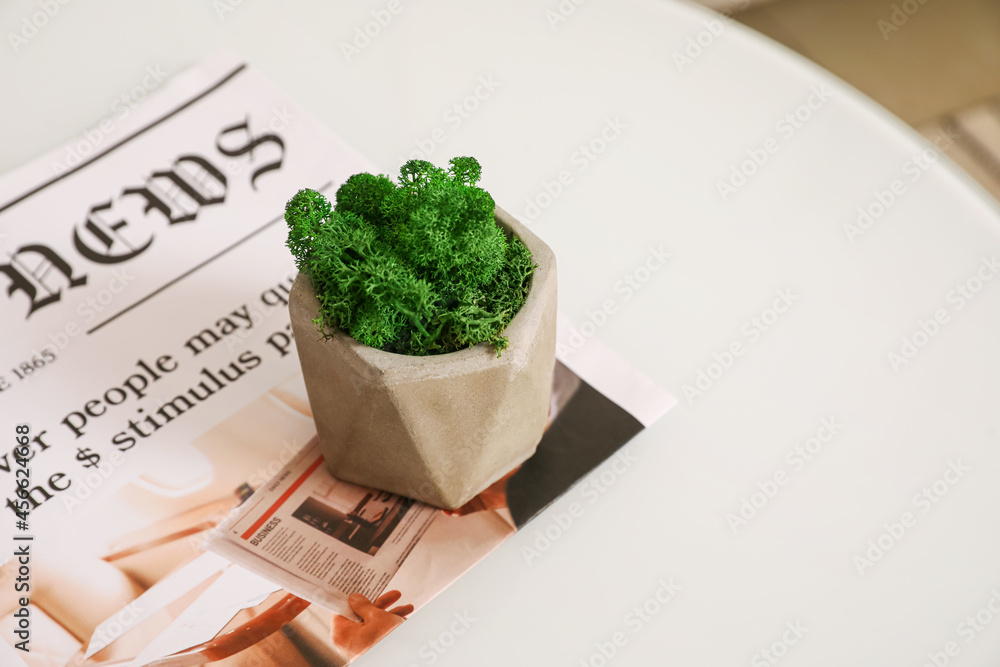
(670, 134)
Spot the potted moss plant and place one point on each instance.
(424, 318)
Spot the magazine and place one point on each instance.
(151, 393)
(324, 539)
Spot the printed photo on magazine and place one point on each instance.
(363, 560)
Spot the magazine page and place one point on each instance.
(306, 530)
(582, 445)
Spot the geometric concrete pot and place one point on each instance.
(438, 428)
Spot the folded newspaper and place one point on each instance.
(321, 538)
(152, 383)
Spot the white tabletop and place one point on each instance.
(814, 310)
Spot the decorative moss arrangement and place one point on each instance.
(415, 267)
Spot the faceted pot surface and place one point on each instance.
(437, 428)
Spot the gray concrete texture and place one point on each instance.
(436, 428)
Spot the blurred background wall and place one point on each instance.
(933, 63)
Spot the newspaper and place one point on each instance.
(149, 385)
(146, 288)
(321, 538)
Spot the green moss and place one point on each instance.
(413, 267)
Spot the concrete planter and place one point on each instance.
(436, 428)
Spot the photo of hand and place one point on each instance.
(354, 637)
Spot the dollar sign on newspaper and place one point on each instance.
(91, 457)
